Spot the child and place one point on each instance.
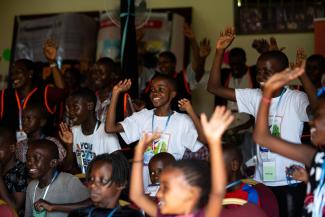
(88, 138)
(289, 111)
(49, 184)
(313, 158)
(107, 177)
(13, 173)
(185, 185)
(34, 119)
(178, 131)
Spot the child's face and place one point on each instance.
(161, 93)
(155, 169)
(317, 130)
(314, 71)
(99, 76)
(237, 65)
(38, 162)
(266, 68)
(166, 66)
(78, 110)
(175, 194)
(20, 75)
(32, 121)
(102, 190)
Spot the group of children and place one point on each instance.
(60, 143)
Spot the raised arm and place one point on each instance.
(262, 135)
(213, 130)
(110, 125)
(214, 84)
(50, 53)
(185, 105)
(136, 186)
(308, 86)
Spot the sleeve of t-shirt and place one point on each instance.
(301, 105)
(132, 126)
(189, 137)
(190, 73)
(246, 100)
(77, 190)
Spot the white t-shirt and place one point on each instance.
(89, 146)
(180, 128)
(290, 113)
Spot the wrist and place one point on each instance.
(53, 64)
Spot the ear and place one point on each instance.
(90, 106)
(173, 94)
(54, 163)
(235, 165)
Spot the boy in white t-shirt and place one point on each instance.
(88, 138)
(287, 114)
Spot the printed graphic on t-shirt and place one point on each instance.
(157, 146)
(84, 155)
(275, 127)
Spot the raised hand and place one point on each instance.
(122, 86)
(146, 140)
(274, 45)
(65, 134)
(226, 38)
(188, 32)
(300, 57)
(261, 45)
(185, 105)
(217, 125)
(204, 48)
(50, 50)
(280, 79)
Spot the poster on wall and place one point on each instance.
(74, 33)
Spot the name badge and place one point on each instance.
(269, 171)
(21, 136)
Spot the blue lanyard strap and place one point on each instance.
(233, 184)
(110, 214)
(166, 124)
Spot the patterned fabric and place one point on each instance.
(22, 147)
(201, 154)
(315, 179)
(16, 178)
(245, 192)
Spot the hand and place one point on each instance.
(65, 134)
(146, 140)
(261, 45)
(188, 32)
(204, 48)
(185, 105)
(42, 204)
(122, 86)
(280, 79)
(300, 58)
(218, 124)
(274, 45)
(300, 174)
(226, 38)
(50, 50)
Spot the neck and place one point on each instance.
(46, 179)
(10, 164)
(24, 90)
(163, 111)
(104, 93)
(35, 135)
(278, 92)
(111, 203)
(88, 126)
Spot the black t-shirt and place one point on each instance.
(123, 211)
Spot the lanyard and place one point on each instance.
(166, 124)
(20, 108)
(233, 184)
(276, 110)
(109, 214)
(47, 188)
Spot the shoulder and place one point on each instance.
(142, 113)
(296, 95)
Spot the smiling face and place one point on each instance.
(20, 75)
(175, 195)
(103, 192)
(39, 162)
(161, 93)
(79, 109)
(317, 125)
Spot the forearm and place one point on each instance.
(110, 125)
(57, 77)
(136, 187)
(198, 62)
(214, 81)
(310, 90)
(198, 126)
(70, 206)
